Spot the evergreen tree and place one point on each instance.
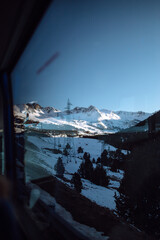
(59, 168)
(115, 165)
(99, 176)
(86, 156)
(98, 160)
(104, 158)
(117, 160)
(86, 170)
(80, 150)
(76, 180)
(65, 152)
(86, 167)
(82, 170)
(93, 160)
(68, 146)
(119, 155)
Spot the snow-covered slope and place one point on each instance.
(85, 120)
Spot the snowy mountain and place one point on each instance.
(89, 120)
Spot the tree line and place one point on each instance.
(96, 175)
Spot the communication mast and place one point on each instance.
(68, 108)
(69, 139)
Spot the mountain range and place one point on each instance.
(89, 120)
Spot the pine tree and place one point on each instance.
(99, 176)
(82, 170)
(104, 158)
(98, 160)
(115, 165)
(76, 180)
(68, 146)
(59, 168)
(86, 167)
(65, 152)
(86, 156)
(80, 150)
(93, 160)
(119, 155)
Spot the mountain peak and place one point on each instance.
(92, 108)
(84, 109)
(34, 105)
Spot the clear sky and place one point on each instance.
(109, 56)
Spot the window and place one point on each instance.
(1, 136)
(86, 106)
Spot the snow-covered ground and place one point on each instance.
(39, 153)
(101, 195)
(85, 230)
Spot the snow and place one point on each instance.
(93, 146)
(37, 155)
(116, 175)
(85, 230)
(114, 184)
(84, 120)
(101, 195)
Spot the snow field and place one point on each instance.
(46, 159)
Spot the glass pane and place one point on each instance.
(1, 136)
(86, 103)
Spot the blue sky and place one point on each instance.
(109, 56)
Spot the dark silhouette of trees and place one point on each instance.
(86, 156)
(99, 176)
(93, 160)
(59, 168)
(115, 165)
(138, 200)
(104, 158)
(86, 167)
(116, 160)
(113, 159)
(76, 180)
(80, 150)
(98, 160)
(65, 152)
(82, 170)
(119, 155)
(68, 146)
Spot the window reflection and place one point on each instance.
(86, 101)
(1, 136)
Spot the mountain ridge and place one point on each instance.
(84, 119)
